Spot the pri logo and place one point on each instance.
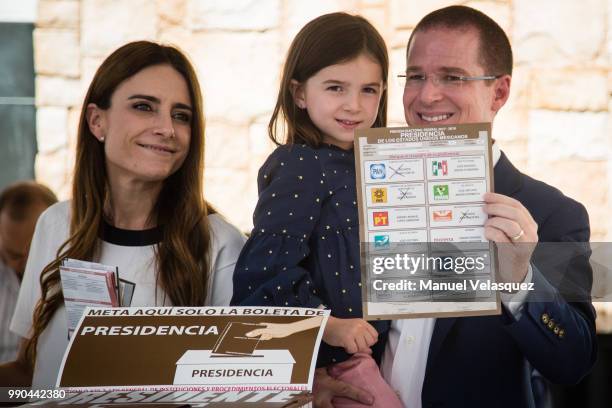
(439, 167)
(440, 191)
(443, 215)
(378, 171)
(381, 218)
(379, 195)
(381, 241)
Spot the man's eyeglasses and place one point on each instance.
(446, 81)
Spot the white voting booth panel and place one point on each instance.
(264, 367)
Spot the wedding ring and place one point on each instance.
(518, 236)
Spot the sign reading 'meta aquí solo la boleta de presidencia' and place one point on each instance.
(205, 348)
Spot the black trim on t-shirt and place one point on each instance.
(123, 237)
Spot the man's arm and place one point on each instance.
(556, 327)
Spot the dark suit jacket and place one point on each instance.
(486, 361)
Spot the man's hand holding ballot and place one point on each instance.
(511, 225)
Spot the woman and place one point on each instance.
(137, 203)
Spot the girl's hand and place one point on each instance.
(354, 335)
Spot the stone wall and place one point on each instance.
(556, 126)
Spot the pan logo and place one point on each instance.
(378, 171)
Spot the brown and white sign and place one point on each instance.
(203, 348)
(180, 399)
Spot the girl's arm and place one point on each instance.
(354, 335)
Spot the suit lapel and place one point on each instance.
(506, 177)
(507, 181)
(441, 330)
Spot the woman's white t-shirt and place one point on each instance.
(133, 253)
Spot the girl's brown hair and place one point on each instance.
(327, 40)
(183, 254)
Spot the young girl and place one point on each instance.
(304, 248)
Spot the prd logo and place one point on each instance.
(379, 195)
(440, 191)
(381, 218)
(439, 167)
(381, 241)
(378, 171)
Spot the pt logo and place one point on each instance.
(440, 191)
(378, 171)
(381, 218)
(439, 167)
(379, 195)
(381, 241)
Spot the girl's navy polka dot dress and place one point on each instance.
(304, 248)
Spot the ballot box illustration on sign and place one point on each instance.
(235, 360)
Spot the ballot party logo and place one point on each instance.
(381, 241)
(442, 215)
(378, 171)
(379, 195)
(440, 192)
(381, 218)
(439, 167)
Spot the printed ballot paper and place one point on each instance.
(201, 348)
(423, 249)
(91, 284)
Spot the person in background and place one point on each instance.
(21, 204)
(137, 203)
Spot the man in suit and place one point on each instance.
(459, 70)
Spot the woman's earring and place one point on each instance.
(102, 139)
